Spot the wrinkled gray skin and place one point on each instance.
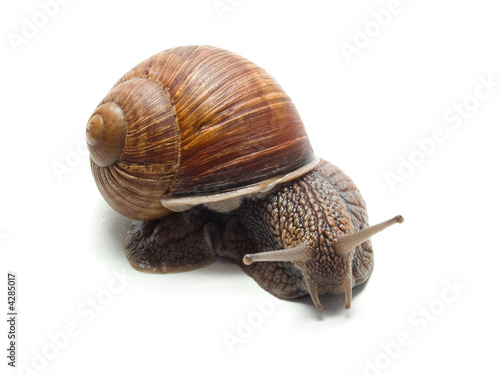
(313, 210)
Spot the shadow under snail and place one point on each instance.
(210, 157)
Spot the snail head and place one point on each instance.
(317, 266)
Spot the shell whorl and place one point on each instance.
(135, 181)
(105, 134)
(199, 121)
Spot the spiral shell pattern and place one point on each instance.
(192, 121)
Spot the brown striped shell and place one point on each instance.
(194, 125)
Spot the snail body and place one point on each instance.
(209, 156)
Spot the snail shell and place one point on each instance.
(194, 125)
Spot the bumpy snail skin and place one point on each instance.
(320, 224)
(306, 237)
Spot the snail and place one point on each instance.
(209, 156)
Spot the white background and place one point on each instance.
(65, 245)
